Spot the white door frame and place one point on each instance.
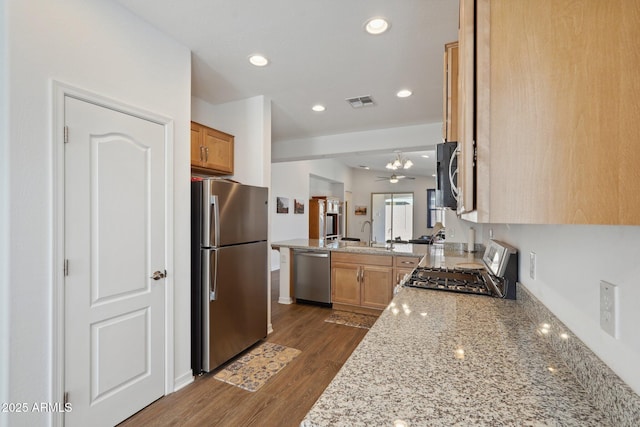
(60, 90)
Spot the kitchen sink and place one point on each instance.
(363, 246)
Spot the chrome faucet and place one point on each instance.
(370, 230)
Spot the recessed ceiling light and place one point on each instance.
(318, 108)
(404, 93)
(364, 167)
(376, 26)
(433, 175)
(258, 60)
(426, 156)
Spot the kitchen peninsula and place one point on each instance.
(399, 258)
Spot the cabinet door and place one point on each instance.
(400, 273)
(345, 281)
(450, 94)
(316, 219)
(556, 138)
(377, 286)
(466, 107)
(218, 151)
(197, 149)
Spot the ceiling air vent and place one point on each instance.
(360, 101)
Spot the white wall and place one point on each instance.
(4, 218)
(571, 261)
(249, 121)
(406, 138)
(98, 46)
(365, 182)
(292, 180)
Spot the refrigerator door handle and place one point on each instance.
(213, 284)
(205, 238)
(210, 274)
(216, 220)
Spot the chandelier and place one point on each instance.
(399, 162)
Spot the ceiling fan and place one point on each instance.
(393, 178)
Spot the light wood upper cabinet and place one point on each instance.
(211, 150)
(450, 93)
(556, 112)
(466, 108)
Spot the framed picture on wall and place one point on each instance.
(361, 210)
(282, 205)
(298, 206)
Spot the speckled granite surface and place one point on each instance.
(444, 359)
(354, 247)
(438, 255)
(608, 392)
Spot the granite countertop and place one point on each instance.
(436, 255)
(440, 359)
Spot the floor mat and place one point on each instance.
(357, 320)
(255, 368)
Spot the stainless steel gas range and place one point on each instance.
(498, 277)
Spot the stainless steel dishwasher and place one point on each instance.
(312, 276)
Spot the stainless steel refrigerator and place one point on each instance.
(228, 270)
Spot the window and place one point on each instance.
(392, 216)
(432, 212)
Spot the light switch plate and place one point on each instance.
(609, 308)
(532, 265)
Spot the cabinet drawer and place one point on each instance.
(406, 261)
(381, 260)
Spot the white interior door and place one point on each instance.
(114, 241)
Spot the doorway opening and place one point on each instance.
(392, 216)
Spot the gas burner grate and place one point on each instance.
(456, 280)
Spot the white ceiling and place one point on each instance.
(377, 162)
(319, 53)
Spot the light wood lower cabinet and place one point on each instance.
(377, 287)
(361, 281)
(403, 265)
(345, 279)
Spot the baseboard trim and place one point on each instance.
(283, 300)
(182, 381)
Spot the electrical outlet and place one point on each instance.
(609, 308)
(532, 265)
(491, 233)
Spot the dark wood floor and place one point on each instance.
(286, 398)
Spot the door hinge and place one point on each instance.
(66, 267)
(66, 134)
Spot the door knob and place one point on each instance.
(157, 275)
